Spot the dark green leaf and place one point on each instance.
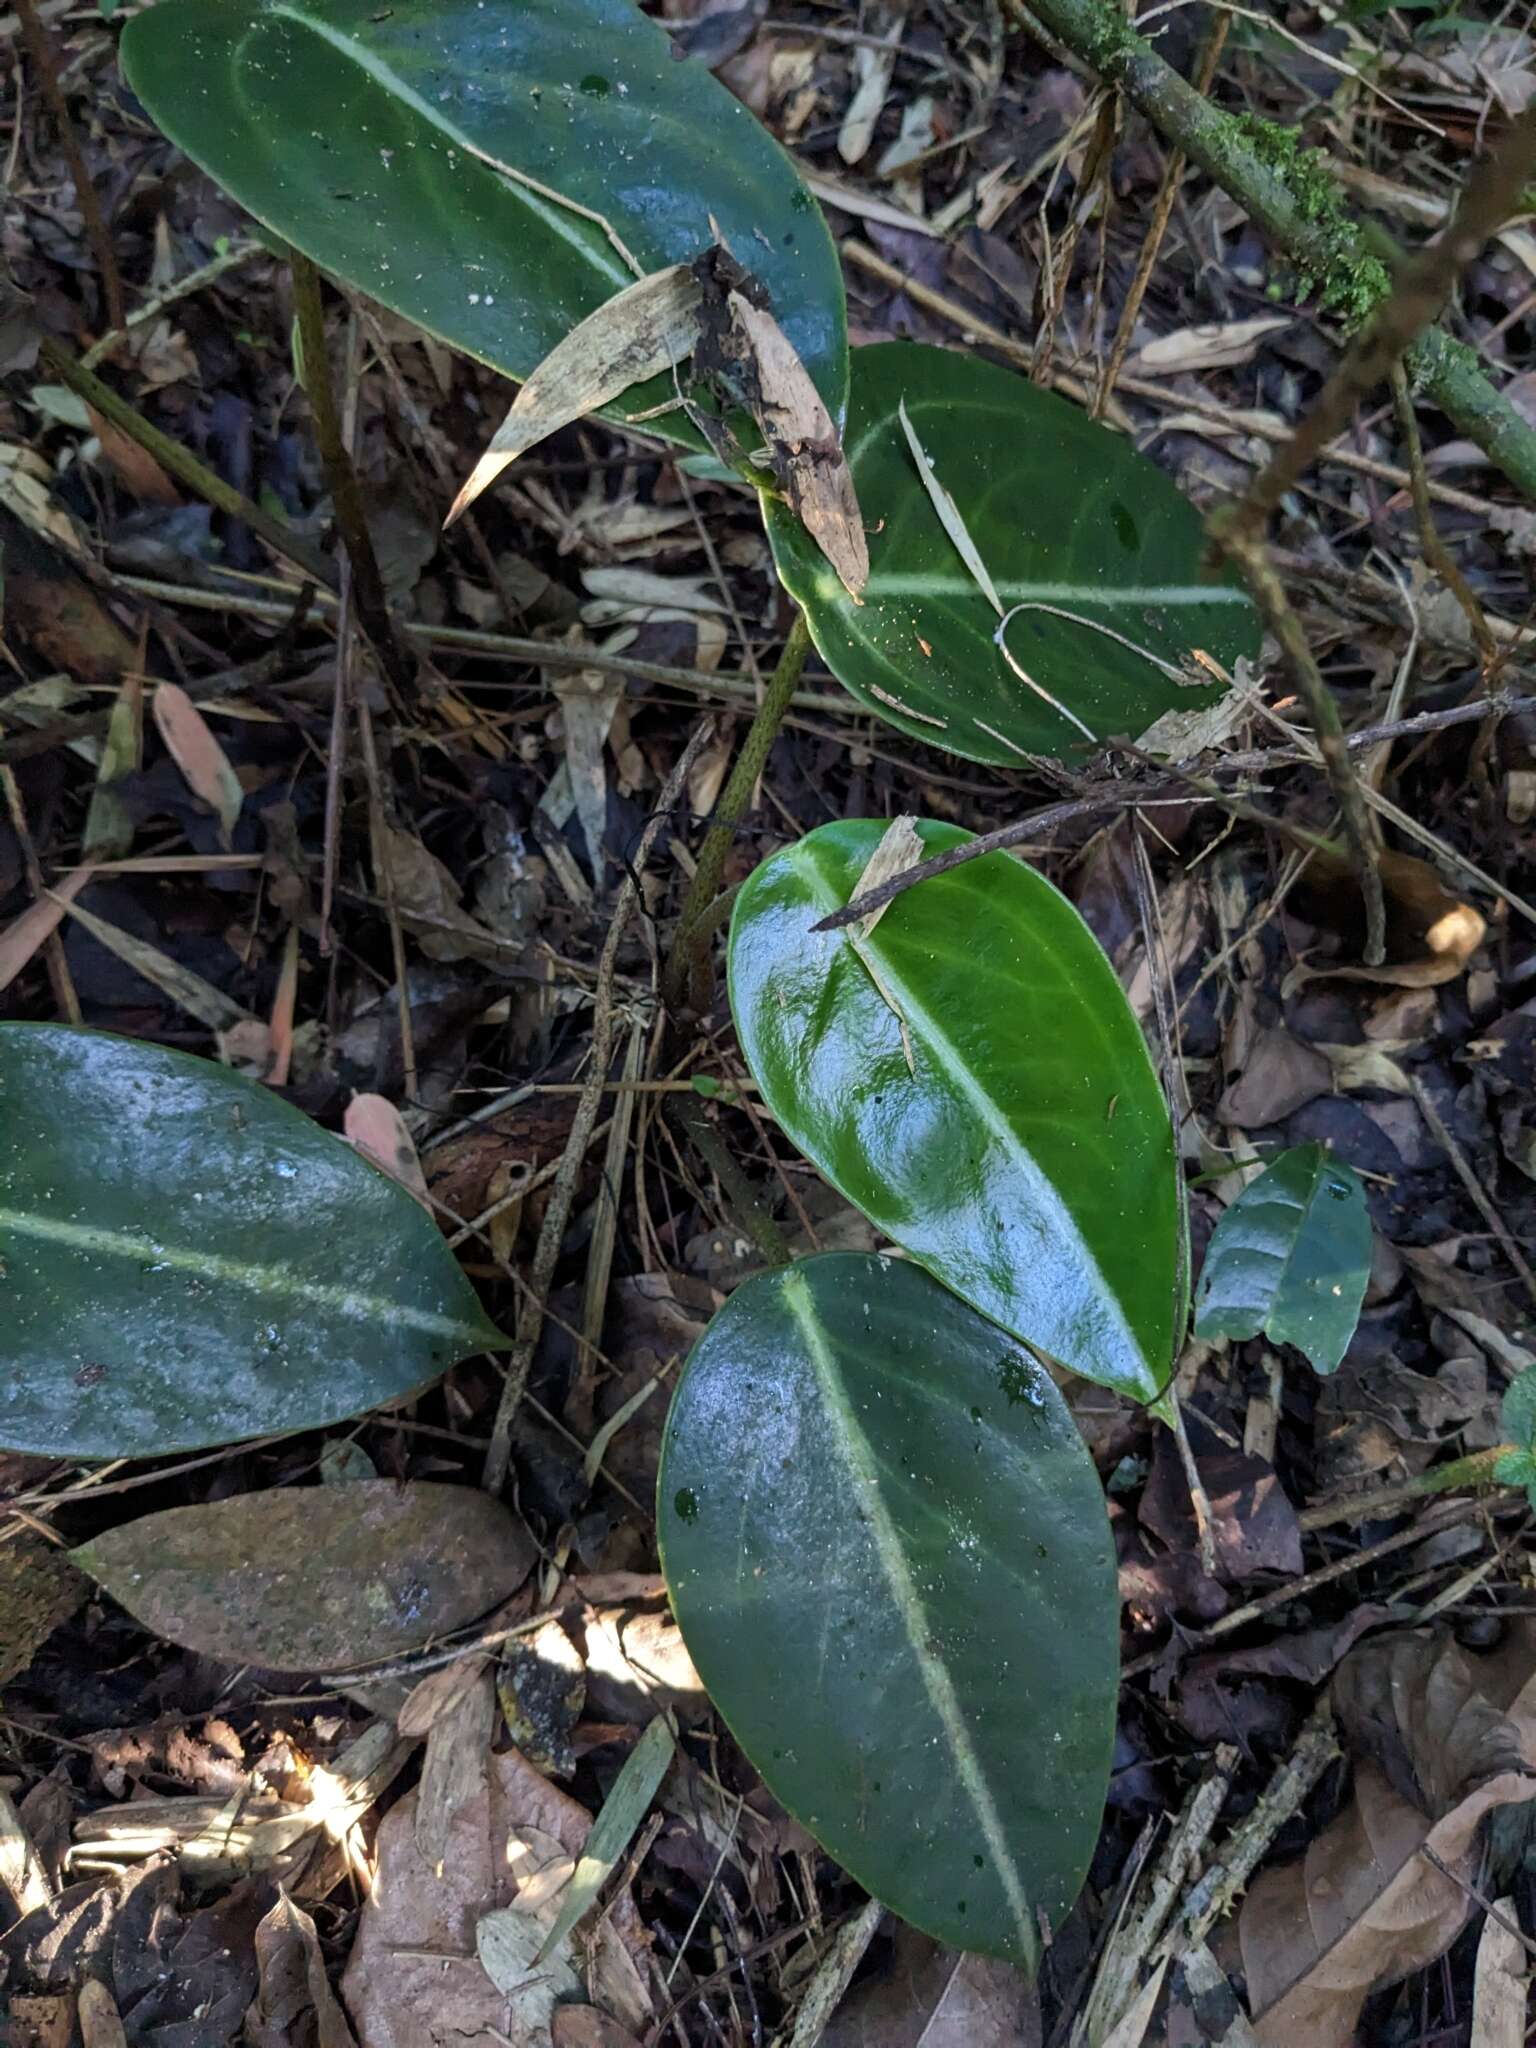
(1029, 1161)
(314, 1578)
(186, 1259)
(1290, 1258)
(377, 139)
(1063, 513)
(887, 1549)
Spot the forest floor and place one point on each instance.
(987, 195)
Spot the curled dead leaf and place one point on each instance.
(1384, 1889)
(1431, 934)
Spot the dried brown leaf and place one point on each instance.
(1366, 1906)
(427, 899)
(399, 1990)
(1431, 934)
(453, 1771)
(933, 1997)
(805, 445)
(204, 765)
(314, 1578)
(374, 1125)
(294, 2006)
(21, 938)
(1500, 1987)
(644, 329)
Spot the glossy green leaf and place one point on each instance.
(379, 140)
(314, 1578)
(887, 1550)
(186, 1259)
(1029, 1160)
(1063, 513)
(1290, 1258)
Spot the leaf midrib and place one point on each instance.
(858, 1459)
(920, 1018)
(580, 236)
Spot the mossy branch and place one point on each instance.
(1286, 190)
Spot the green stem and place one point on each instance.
(686, 974)
(1476, 1469)
(184, 466)
(1290, 198)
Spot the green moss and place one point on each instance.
(1349, 280)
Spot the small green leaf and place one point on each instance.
(628, 1800)
(403, 146)
(971, 1077)
(186, 1259)
(1290, 1259)
(887, 1550)
(1068, 520)
(314, 1578)
(1519, 1410)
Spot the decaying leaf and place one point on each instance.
(397, 1987)
(427, 899)
(899, 848)
(294, 2006)
(374, 1125)
(21, 939)
(803, 442)
(190, 742)
(642, 330)
(1431, 934)
(1366, 1905)
(950, 516)
(926, 1996)
(510, 1940)
(39, 1588)
(314, 1578)
(453, 1771)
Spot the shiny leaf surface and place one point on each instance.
(1065, 516)
(394, 145)
(188, 1260)
(314, 1578)
(887, 1549)
(1028, 1161)
(1290, 1258)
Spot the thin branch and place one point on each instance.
(1323, 241)
(1419, 295)
(35, 35)
(368, 593)
(687, 963)
(1244, 544)
(1162, 213)
(184, 466)
(1257, 761)
(546, 1255)
(1436, 553)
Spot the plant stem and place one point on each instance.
(341, 478)
(1474, 1470)
(557, 1216)
(36, 38)
(1419, 295)
(1320, 239)
(185, 466)
(686, 975)
(1246, 548)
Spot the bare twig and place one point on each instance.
(194, 281)
(1244, 544)
(184, 466)
(1162, 212)
(552, 1231)
(1436, 553)
(687, 964)
(1131, 797)
(341, 476)
(35, 35)
(1418, 296)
